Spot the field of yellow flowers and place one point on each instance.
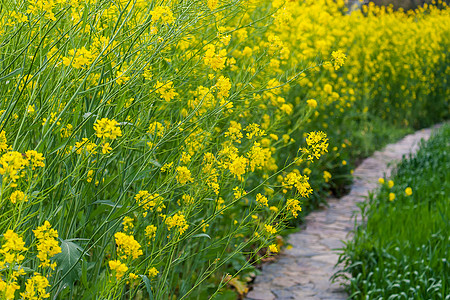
(155, 149)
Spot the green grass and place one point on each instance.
(401, 250)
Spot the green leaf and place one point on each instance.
(202, 235)
(16, 71)
(148, 286)
(68, 263)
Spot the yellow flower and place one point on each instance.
(179, 221)
(36, 159)
(261, 200)
(152, 272)
(326, 176)
(338, 57)
(35, 288)
(270, 229)
(127, 224)
(391, 196)
(119, 268)
(312, 103)
(3, 142)
(166, 90)
(390, 183)
(184, 175)
(273, 248)
(381, 180)
(149, 201)
(408, 191)
(18, 196)
(106, 148)
(150, 232)
(162, 13)
(47, 244)
(293, 206)
(107, 129)
(127, 246)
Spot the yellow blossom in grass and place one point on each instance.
(106, 148)
(149, 201)
(273, 248)
(66, 131)
(127, 224)
(381, 180)
(85, 145)
(326, 176)
(150, 232)
(234, 132)
(17, 197)
(238, 166)
(269, 229)
(184, 175)
(261, 200)
(253, 130)
(311, 103)
(213, 59)
(212, 4)
(107, 129)
(36, 159)
(47, 244)
(166, 167)
(90, 176)
(8, 289)
(165, 90)
(119, 268)
(35, 288)
(258, 156)
(177, 221)
(223, 86)
(185, 158)
(152, 272)
(293, 206)
(156, 128)
(408, 191)
(301, 182)
(344, 162)
(3, 142)
(338, 58)
(163, 13)
(12, 246)
(274, 209)
(317, 142)
(187, 199)
(127, 246)
(391, 196)
(390, 184)
(238, 192)
(11, 163)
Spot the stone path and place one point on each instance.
(304, 271)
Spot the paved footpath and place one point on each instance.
(304, 271)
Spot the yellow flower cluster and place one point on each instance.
(118, 268)
(127, 246)
(149, 201)
(177, 221)
(47, 244)
(35, 288)
(293, 206)
(107, 129)
(317, 145)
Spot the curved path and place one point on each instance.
(303, 272)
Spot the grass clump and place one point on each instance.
(401, 249)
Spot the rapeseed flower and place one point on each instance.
(107, 129)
